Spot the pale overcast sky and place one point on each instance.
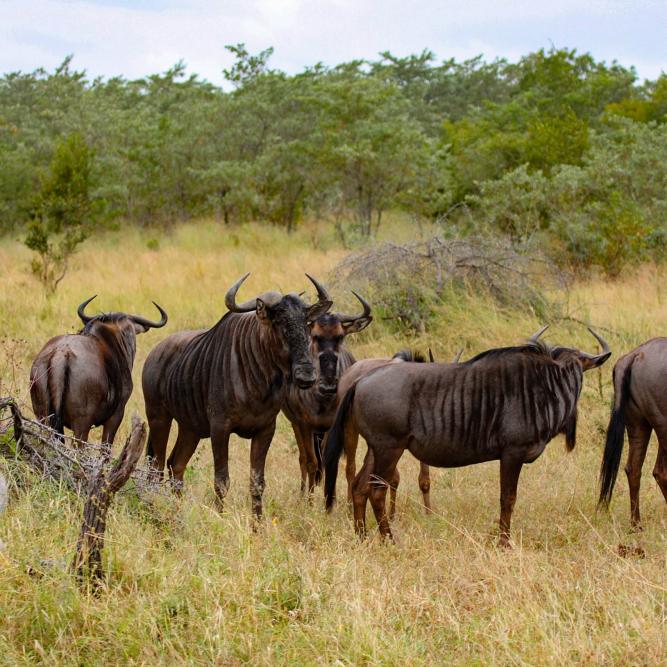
(111, 37)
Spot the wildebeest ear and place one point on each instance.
(588, 361)
(261, 310)
(355, 326)
(139, 328)
(317, 309)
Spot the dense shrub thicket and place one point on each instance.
(556, 146)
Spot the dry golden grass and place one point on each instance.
(188, 585)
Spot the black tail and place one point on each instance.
(613, 448)
(334, 447)
(318, 439)
(57, 388)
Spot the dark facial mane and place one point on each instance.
(410, 355)
(104, 318)
(328, 319)
(539, 349)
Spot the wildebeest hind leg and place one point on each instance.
(158, 437)
(360, 488)
(638, 437)
(386, 456)
(185, 447)
(109, 431)
(393, 488)
(350, 440)
(81, 430)
(660, 470)
(259, 448)
(425, 486)
(510, 469)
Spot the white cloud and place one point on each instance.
(135, 39)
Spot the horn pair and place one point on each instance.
(251, 304)
(135, 318)
(606, 350)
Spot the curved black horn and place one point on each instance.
(230, 298)
(537, 334)
(321, 292)
(352, 318)
(152, 325)
(79, 311)
(606, 350)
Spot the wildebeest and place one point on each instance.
(83, 380)
(504, 404)
(231, 378)
(348, 379)
(640, 406)
(311, 411)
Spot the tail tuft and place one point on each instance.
(335, 443)
(613, 449)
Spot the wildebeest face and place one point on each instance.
(327, 335)
(289, 319)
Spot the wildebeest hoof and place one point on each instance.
(504, 542)
(624, 551)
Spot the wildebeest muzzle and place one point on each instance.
(304, 375)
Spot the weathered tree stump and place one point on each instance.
(87, 562)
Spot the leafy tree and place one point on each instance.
(63, 213)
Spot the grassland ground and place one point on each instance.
(189, 585)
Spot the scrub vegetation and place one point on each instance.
(189, 585)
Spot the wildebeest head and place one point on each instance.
(288, 318)
(122, 324)
(327, 335)
(565, 354)
(566, 357)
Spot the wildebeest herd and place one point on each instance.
(277, 352)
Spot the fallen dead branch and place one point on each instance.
(61, 458)
(87, 562)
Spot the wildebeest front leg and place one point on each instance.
(638, 438)
(307, 458)
(259, 448)
(302, 456)
(220, 448)
(510, 469)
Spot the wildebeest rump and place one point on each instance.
(504, 404)
(231, 378)
(83, 380)
(350, 378)
(640, 406)
(311, 411)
